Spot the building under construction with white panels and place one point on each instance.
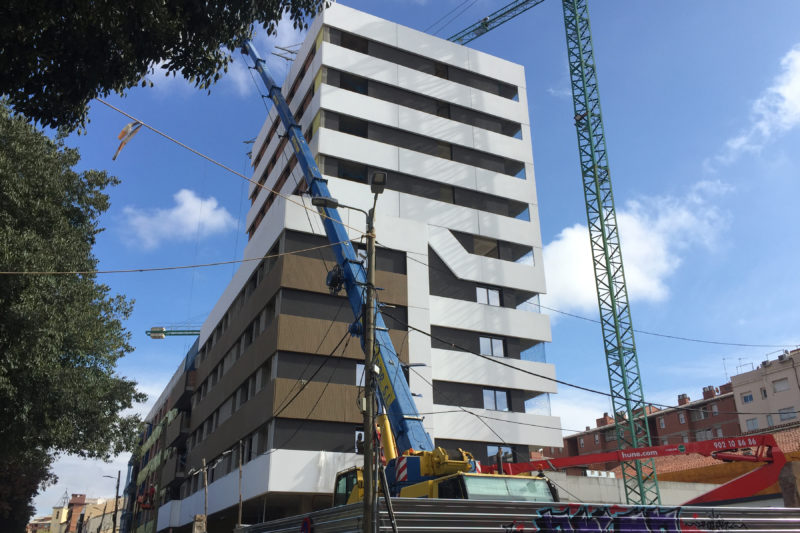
(459, 257)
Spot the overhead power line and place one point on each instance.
(643, 332)
(222, 165)
(500, 361)
(160, 269)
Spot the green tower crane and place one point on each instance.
(627, 396)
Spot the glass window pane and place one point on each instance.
(359, 375)
(488, 399)
(486, 345)
(497, 348)
(481, 296)
(494, 297)
(501, 399)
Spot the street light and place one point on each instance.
(116, 500)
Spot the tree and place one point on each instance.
(56, 56)
(60, 335)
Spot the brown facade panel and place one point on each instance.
(245, 420)
(239, 318)
(312, 335)
(317, 401)
(254, 356)
(308, 274)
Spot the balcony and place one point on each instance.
(173, 470)
(181, 395)
(177, 430)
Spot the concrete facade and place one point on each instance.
(273, 379)
(769, 395)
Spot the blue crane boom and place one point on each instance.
(392, 388)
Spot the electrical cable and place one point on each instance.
(464, 409)
(312, 376)
(321, 342)
(454, 17)
(643, 332)
(319, 398)
(437, 21)
(221, 165)
(499, 361)
(161, 269)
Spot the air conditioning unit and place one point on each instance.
(782, 357)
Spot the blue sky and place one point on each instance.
(701, 102)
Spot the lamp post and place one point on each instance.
(116, 504)
(377, 182)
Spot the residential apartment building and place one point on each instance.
(273, 381)
(769, 395)
(711, 417)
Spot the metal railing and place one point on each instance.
(419, 515)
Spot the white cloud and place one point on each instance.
(655, 232)
(578, 409)
(85, 476)
(191, 217)
(776, 111)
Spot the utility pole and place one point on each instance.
(239, 522)
(205, 496)
(369, 383)
(116, 506)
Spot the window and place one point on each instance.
(787, 413)
(763, 393)
(507, 451)
(751, 423)
(610, 436)
(770, 422)
(359, 374)
(719, 432)
(495, 400)
(580, 442)
(485, 295)
(661, 422)
(597, 438)
(682, 418)
(747, 397)
(685, 437)
(492, 346)
(780, 385)
(714, 410)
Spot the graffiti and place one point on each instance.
(713, 523)
(592, 519)
(514, 527)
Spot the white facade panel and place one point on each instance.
(483, 269)
(464, 367)
(458, 314)
(355, 148)
(496, 67)
(358, 105)
(360, 23)
(513, 428)
(360, 64)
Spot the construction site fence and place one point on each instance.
(418, 515)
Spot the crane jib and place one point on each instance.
(392, 388)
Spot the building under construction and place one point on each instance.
(271, 388)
